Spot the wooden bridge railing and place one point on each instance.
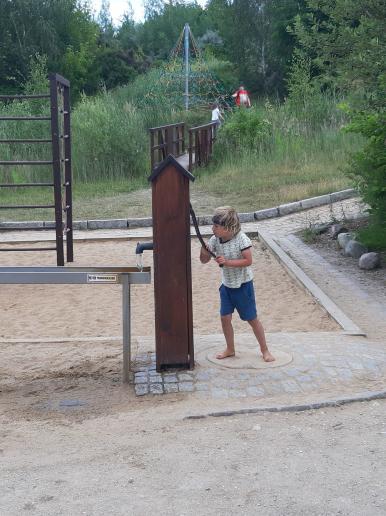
(166, 139)
(200, 148)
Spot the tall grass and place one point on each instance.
(292, 156)
(295, 150)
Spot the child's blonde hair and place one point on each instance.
(227, 217)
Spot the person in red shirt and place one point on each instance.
(241, 97)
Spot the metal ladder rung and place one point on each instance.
(26, 140)
(18, 185)
(19, 207)
(25, 118)
(10, 249)
(20, 97)
(26, 162)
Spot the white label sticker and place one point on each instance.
(102, 278)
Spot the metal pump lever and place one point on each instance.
(141, 247)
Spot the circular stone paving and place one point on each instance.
(248, 358)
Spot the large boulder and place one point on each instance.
(354, 249)
(344, 239)
(369, 261)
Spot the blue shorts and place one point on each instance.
(242, 298)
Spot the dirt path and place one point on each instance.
(149, 459)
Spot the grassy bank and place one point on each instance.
(263, 157)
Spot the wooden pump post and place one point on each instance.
(172, 265)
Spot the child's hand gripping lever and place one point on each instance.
(202, 242)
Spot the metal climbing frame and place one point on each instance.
(60, 140)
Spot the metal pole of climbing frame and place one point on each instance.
(186, 59)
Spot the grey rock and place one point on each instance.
(337, 229)
(318, 229)
(354, 249)
(369, 261)
(344, 239)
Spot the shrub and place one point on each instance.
(246, 129)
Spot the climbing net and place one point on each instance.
(204, 88)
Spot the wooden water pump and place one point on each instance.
(172, 265)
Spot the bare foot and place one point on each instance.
(225, 354)
(267, 357)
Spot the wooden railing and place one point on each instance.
(166, 139)
(200, 148)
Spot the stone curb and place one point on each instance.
(337, 402)
(309, 286)
(205, 220)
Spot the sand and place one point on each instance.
(72, 311)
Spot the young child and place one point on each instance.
(233, 250)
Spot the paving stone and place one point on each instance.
(156, 388)
(292, 371)
(302, 378)
(255, 380)
(170, 387)
(170, 378)
(219, 393)
(186, 386)
(255, 391)
(201, 386)
(141, 389)
(290, 386)
(243, 376)
(344, 374)
(185, 377)
(203, 375)
(157, 378)
(141, 379)
(234, 393)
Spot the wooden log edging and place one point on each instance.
(130, 223)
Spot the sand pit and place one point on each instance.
(38, 375)
(59, 311)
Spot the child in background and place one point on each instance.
(233, 250)
(216, 117)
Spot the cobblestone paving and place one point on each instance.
(323, 362)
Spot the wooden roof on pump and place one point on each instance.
(170, 160)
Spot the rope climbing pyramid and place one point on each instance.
(185, 80)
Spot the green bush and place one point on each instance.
(368, 168)
(246, 129)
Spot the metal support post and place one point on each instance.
(126, 330)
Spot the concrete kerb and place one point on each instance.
(268, 213)
(337, 402)
(347, 325)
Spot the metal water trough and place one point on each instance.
(86, 275)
